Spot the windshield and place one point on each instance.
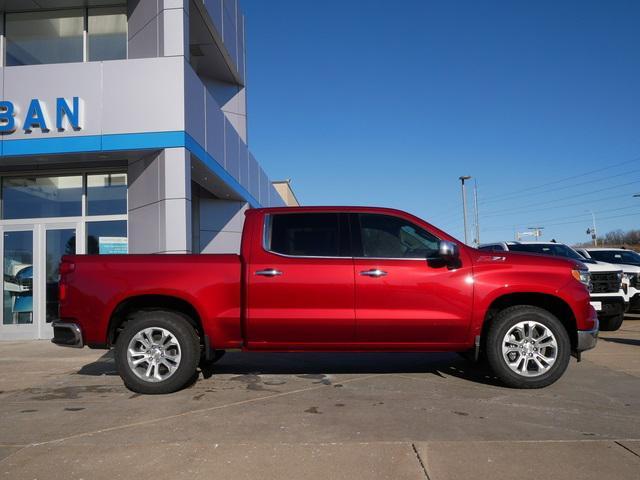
(616, 256)
(557, 250)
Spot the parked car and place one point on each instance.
(629, 261)
(328, 279)
(607, 295)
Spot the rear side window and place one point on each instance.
(304, 234)
(385, 236)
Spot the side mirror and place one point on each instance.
(448, 251)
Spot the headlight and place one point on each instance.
(582, 276)
(626, 277)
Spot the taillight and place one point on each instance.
(66, 267)
(62, 291)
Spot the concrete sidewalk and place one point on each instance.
(64, 414)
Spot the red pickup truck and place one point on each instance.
(328, 279)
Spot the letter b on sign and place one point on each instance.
(7, 119)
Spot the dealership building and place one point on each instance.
(124, 130)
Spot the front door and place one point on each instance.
(19, 310)
(402, 297)
(30, 258)
(300, 283)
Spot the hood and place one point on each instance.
(603, 267)
(522, 258)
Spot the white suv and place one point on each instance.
(607, 296)
(628, 260)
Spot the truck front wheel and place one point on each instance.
(528, 347)
(157, 352)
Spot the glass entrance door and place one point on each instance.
(18, 267)
(30, 260)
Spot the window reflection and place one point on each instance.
(107, 194)
(18, 278)
(107, 238)
(107, 33)
(40, 197)
(44, 37)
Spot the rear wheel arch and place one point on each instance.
(126, 308)
(551, 303)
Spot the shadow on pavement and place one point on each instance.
(624, 341)
(252, 363)
(439, 364)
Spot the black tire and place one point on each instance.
(507, 319)
(189, 347)
(611, 324)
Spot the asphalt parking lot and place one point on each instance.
(64, 414)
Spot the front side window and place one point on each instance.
(557, 250)
(384, 236)
(44, 37)
(41, 197)
(305, 234)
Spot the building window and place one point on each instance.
(107, 194)
(57, 36)
(107, 31)
(41, 197)
(105, 238)
(44, 37)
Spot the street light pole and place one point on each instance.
(464, 205)
(475, 208)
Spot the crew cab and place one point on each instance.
(628, 260)
(328, 279)
(607, 294)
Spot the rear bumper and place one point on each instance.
(67, 335)
(587, 339)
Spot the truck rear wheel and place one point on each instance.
(528, 347)
(157, 352)
(611, 324)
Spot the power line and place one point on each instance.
(503, 227)
(575, 185)
(565, 179)
(551, 202)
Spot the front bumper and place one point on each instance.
(610, 306)
(587, 339)
(67, 335)
(634, 302)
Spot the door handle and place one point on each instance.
(269, 272)
(376, 272)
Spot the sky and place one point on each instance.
(387, 103)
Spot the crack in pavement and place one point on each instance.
(193, 412)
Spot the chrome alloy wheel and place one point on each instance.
(153, 354)
(529, 348)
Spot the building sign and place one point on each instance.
(66, 115)
(112, 245)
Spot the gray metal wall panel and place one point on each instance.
(215, 129)
(23, 83)
(146, 95)
(195, 118)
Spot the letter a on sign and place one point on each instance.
(35, 117)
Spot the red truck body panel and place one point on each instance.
(321, 303)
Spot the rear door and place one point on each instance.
(403, 298)
(301, 282)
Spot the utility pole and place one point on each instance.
(464, 205)
(475, 208)
(593, 231)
